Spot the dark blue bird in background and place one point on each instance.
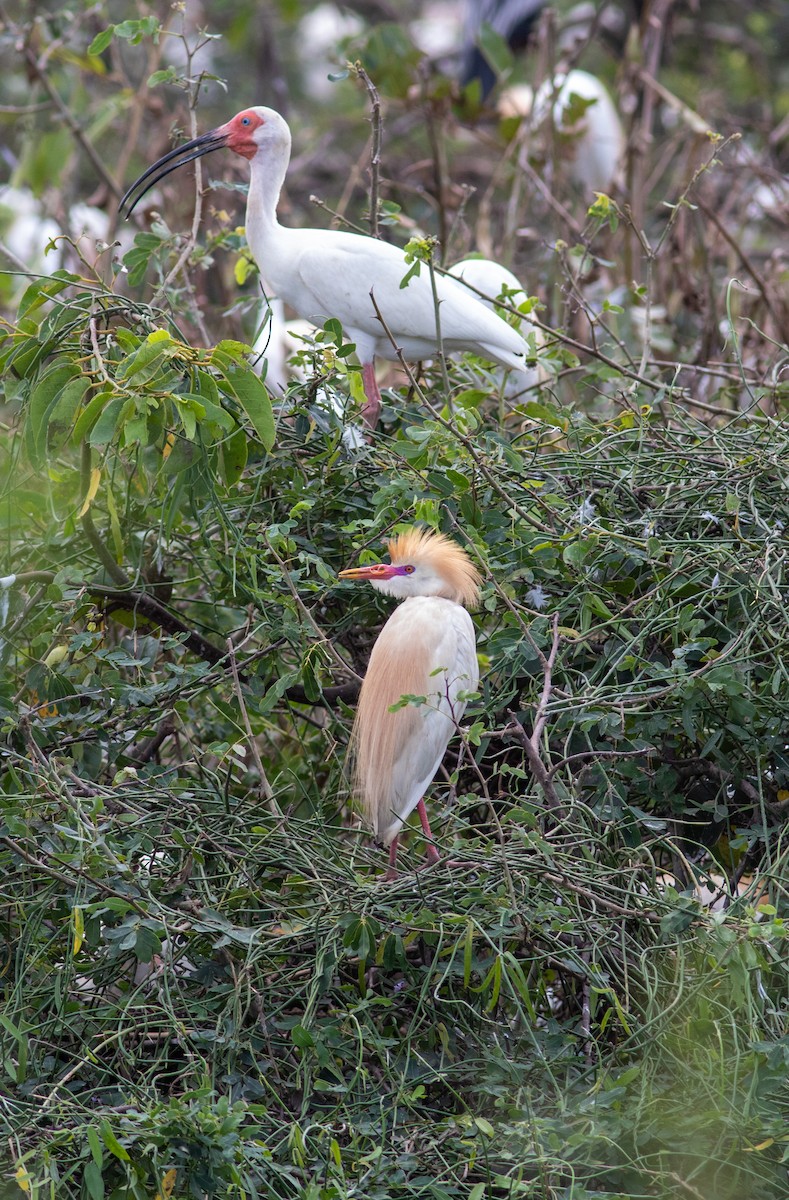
(513, 20)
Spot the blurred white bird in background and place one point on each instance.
(577, 108)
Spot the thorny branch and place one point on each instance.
(375, 154)
(266, 790)
(532, 744)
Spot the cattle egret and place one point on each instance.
(425, 650)
(323, 273)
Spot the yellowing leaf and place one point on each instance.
(95, 480)
(168, 1183)
(242, 270)
(22, 1178)
(286, 928)
(79, 929)
(55, 656)
(169, 442)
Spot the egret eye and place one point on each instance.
(409, 570)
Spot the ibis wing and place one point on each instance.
(341, 270)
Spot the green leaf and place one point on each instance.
(136, 260)
(251, 394)
(112, 1143)
(233, 453)
(95, 1147)
(595, 605)
(69, 401)
(135, 31)
(89, 415)
(145, 363)
(93, 1181)
(101, 41)
(146, 944)
(540, 412)
(115, 526)
(38, 293)
(104, 429)
(302, 1037)
(188, 415)
(468, 951)
(168, 75)
(43, 400)
(576, 554)
(206, 412)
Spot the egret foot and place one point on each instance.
(391, 871)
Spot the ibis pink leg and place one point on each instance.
(372, 409)
(432, 853)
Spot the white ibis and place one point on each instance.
(324, 273)
(596, 153)
(426, 649)
(496, 282)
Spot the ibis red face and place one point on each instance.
(237, 135)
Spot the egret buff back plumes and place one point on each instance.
(426, 650)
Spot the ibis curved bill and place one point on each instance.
(426, 649)
(323, 273)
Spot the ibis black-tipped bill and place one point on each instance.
(215, 139)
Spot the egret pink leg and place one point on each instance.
(391, 870)
(372, 409)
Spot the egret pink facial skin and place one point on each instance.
(323, 273)
(376, 572)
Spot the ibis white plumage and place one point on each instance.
(490, 281)
(426, 649)
(323, 273)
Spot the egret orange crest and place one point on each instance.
(447, 558)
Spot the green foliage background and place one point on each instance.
(206, 989)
